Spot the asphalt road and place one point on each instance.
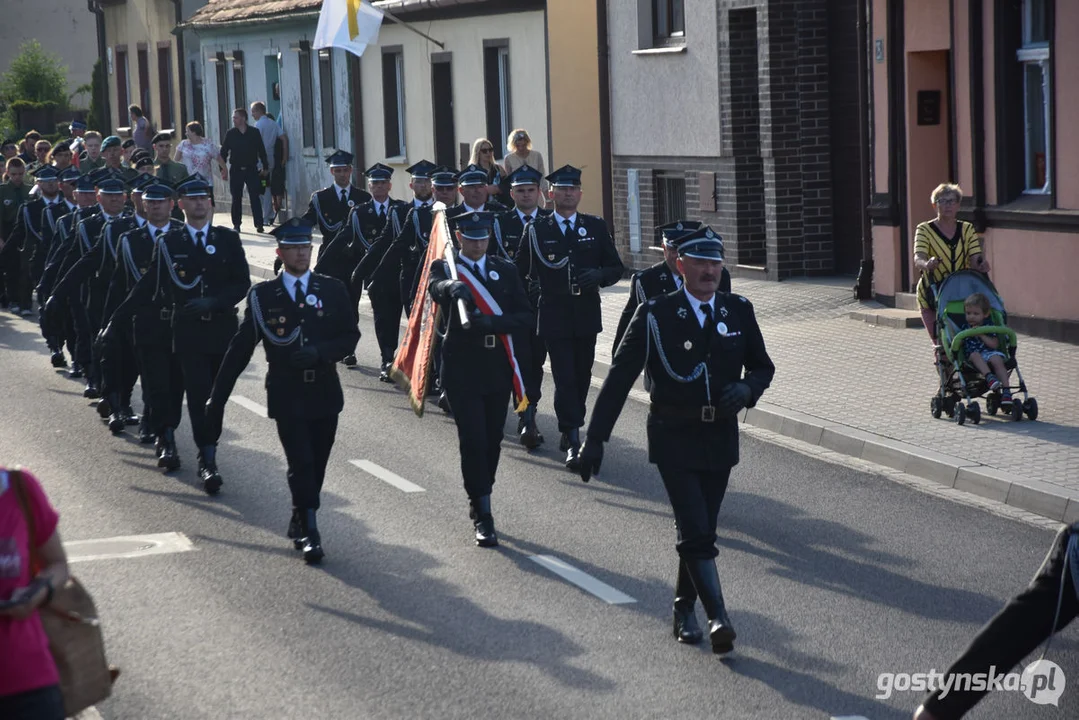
(832, 575)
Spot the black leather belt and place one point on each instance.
(701, 413)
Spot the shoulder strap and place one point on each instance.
(19, 486)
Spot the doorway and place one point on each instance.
(273, 85)
(442, 104)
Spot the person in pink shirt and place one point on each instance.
(29, 681)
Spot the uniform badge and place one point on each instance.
(143, 270)
(7, 201)
(688, 345)
(475, 217)
(352, 203)
(663, 276)
(311, 299)
(182, 273)
(210, 249)
(493, 274)
(281, 319)
(582, 232)
(723, 311)
(682, 313)
(319, 313)
(280, 331)
(551, 257)
(722, 329)
(271, 321)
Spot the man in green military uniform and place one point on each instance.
(90, 159)
(13, 194)
(165, 168)
(113, 154)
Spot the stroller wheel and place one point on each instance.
(1030, 407)
(992, 403)
(935, 406)
(960, 414)
(1017, 411)
(974, 413)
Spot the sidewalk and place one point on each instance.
(864, 390)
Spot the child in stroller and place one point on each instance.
(983, 351)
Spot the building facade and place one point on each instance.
(981, 95)
(743, 114)
(66, 29)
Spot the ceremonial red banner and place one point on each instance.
(412, 364)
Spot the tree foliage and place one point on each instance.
(96, 118)
(35, 75)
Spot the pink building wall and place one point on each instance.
(1067, 104)
(1035, 272)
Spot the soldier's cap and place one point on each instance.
(704, 244)
(193, 186)
(70, 175)
(138, 183)
(565, 176)
(525, 175)
(62, 146)
(8, 141)
(112, 185)
(672, 231)
(443, 176)
(125, 144)
(378, 171)
(472, 175)
(294, 233)
(46, 173)
(161, 137)
(340, 158)
(99, 175)
(475, 226)
(156, 190)
(421, 170)
(78, 125)
(140, 153)
(112, 141)
(85, 184)
(144, 161)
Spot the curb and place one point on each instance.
(888, 317)
(1040, 498)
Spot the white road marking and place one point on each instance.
(583, 580)
(127, 546)
(89, 713)
(849, 717)
(386, 476)
(250, 405)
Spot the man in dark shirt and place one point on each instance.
(243, 144)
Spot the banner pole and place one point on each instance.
(411, 27)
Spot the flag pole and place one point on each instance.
(411, 27)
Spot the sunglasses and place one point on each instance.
(487, 150)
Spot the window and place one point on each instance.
(164, 85)
(224, 111)
(144, 82)
(123, 88)
(325, 87)
(1033, 57)
(393, 101)
(496, 81)
(307, 101)
(668, 22)
(239, 81)
(670, 201)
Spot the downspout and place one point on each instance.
(181, 64)
(863, 290)
(103, 58)
(604, 57)
(977, 111)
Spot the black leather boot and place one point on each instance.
(573, 450)
(706, 580)
(686, 629)
(105, 407)
(146, 435)
(349, 361)
(76, 371)
(312, 541)
(295, 529)
(169, 457)
(58, 360)
(444, 403)
(483, 521)
(130, 416)
(211, 478)
(91, 391)
(529, 432)
(116, 422)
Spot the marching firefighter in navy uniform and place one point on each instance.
(473, 183)
(663, 277)
(694, 344)
(509, 231)
(200, 273)
(329, 207)
(307, 323)
(570, 256)
(38, 252)
(143, 347)
(27, 232)
(479, 363)
(365, 223)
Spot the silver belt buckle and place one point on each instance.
(574, 289)
(166, 314)
(309, 375)
(490, 341)
(708, 413)
(207, 317)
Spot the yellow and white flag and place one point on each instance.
(348, 24)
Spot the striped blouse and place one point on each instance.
(954, 254)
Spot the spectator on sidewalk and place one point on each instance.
(277, 175)
(28, 146)
(29, 680)
(483, 155)
(244, 151)
(198, 154)
(141, 132)
(520, 152)
(942, 246)
(270, 132)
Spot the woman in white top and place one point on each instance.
(520, 152)
(199, 154)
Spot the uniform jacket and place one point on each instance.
(376, 250)
(180, 271)
(329, 323)
(653, 282)
(151, 323)
(12, 198)
(39, 253)
(688, 371)
(401, 261)
(473, 360)
(361, 230)
(63, 238)
(509, 231)
(553, 260)
(452, 213)
(91, 258)
(329, 213)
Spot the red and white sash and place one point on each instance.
(486, 304)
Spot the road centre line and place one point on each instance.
(387, 476)
(127, 546)
(583, 580)
(250, 405)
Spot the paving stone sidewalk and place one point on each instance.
(864, 390)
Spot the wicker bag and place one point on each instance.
(74, 632)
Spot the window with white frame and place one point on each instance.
(496, 79)
(668, 22)
(1033, 57)
(325, 87)
(393, 101)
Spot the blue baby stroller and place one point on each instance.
(960, 382)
